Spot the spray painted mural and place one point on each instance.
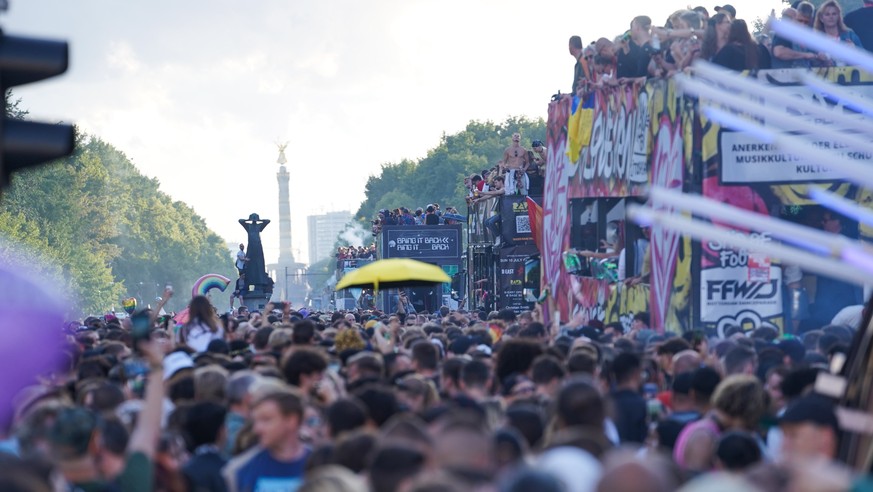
(671, 157)
(651, 134)
(635, 136)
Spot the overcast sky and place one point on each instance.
(196, 92)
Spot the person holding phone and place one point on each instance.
(403, 304)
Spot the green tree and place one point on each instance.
(439, 176)
(107, 230)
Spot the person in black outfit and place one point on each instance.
(204, 425)
(861, 21)
(239, 288)
(629, 407)
(431, 218)
(581, 71)
(536, 171)
(634, 60)
(741, 52)
(684, 411)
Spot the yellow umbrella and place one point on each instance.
(394, 272)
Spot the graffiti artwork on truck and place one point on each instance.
(605, 302)
(556, 219)
(614, 163)
(670, 253)
(692, 284)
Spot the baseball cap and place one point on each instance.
(813, 409)
(175, 362)
(570, 464)
(729, 9)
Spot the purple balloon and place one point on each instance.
(31, 339)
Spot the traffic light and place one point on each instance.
(27, 143)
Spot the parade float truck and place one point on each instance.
(440, 245)
(605, 151)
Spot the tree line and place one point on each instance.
(104, 230)
(439, 176)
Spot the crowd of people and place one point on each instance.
(356, 253)
(431, 214)
(723, 38)
(521, 171)
(361, 400)
(646, 50)
(285, 399)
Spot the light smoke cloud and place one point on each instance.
(354, 234)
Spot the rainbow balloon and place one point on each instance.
(208, 282)
(129, 305)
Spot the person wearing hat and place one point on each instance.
(809, 429)
(176, 362)
(727, 9)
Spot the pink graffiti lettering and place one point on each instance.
(667, 171)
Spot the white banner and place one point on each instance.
(745, 159)
(728, 297)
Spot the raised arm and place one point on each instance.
(144, 438)
(384, 339)
(168, 293)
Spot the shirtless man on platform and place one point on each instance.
(514, 167)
